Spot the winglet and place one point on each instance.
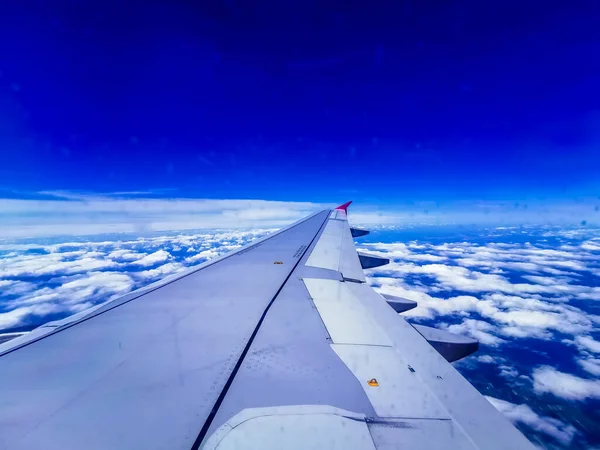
(344, 207)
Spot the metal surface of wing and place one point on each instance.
(330, 339)
(246, 352)
(146, 370)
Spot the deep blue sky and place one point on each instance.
(320, 101)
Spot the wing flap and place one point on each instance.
(346, 319)
(396, 390)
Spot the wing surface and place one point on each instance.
(146, 370)
(245, 352)
(333, 355)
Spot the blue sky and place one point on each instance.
(161, 116)
(394, 105)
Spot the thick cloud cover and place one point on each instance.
(520, 290)
(523, 414)
(529, 295)
(60, 278)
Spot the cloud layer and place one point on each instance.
(549, 380)
(526, 294)
(524, 415)
(54, 213)
(530, 296)
(500, 290)
(60, 278)
(68, 213)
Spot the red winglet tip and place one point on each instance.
(344, 207)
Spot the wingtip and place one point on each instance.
(344, 207)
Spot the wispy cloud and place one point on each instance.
(547, 379)
(589, 352)
(523, 414)
(483, 212)
(478, 329)
(590, 365)
(63, 278)
(67, 213)
(52, 213)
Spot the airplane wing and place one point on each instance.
(280, 344)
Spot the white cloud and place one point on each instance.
(84, 287)
(203, 255)
(592, 245)
(153, 258)
(462, 279)
(400, 250)
(15, 287)
(84, 214)
(66, 213)
(588, 351)
(161, 271)
(68, 276)
(521, 257)
(96, 283)
(536, 309)
(547, 379)
(520, 317)
(504, 292)
(486, 359)
(588, 343)
(590, 365)
(547, 281)
(523, 414)
(591, 293)
(50, 264)
(16, 316)
(126, 255)
(478, 329)
(479, 212)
